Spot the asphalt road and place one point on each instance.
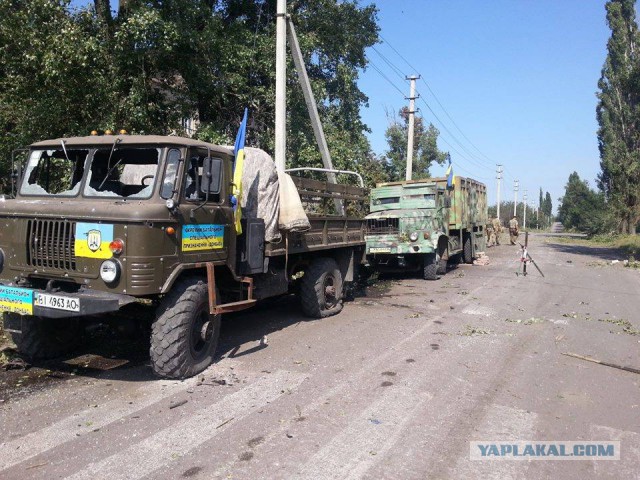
(395, 387)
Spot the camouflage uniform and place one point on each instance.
(491, 236)
(497, 228)
(513, 230)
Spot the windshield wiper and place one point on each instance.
(64, 149)
(110, 171)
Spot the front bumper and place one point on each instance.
(54, 304)
(388, 245)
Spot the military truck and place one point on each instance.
(418, 225)
(103, 224)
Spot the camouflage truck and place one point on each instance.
(122, 225)
(420, 224)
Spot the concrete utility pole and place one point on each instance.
(524, 203)
(281, 88)
(516, 183)
(498, 178)
(312, 108)
(412, 111)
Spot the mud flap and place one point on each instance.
(346, 264)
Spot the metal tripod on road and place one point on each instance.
(526, 258)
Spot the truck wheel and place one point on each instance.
(321, 289)
(430, 269)
(467, 251)
(442, 266)
(44, 338)
(184, 335)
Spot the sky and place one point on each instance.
(517, 80)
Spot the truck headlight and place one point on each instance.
(413, 236)
(110, 271)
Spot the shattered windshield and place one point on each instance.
(125, 172)
(52, 172)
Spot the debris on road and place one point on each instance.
(473, 331)
(599, 362)
(177, 403)
(9, 359)
(482, 259)
(529, 321)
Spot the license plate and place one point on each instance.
(56, 301)
(380, 250)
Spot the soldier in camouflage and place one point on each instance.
(491, 235)
(497, 229)
(513, 230)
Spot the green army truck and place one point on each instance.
(418, 225)
(124, 223)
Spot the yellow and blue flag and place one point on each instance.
(449, 174)
(238, 165)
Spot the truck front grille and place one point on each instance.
(377, 226)
(50, 244)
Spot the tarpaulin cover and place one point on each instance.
(292, 215)
(260, 192)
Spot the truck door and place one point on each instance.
(206, 218)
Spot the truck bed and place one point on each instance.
(328, 230)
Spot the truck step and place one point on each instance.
(233, 306)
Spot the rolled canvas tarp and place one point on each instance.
(260, 191)
(292, 215)
(271, 196)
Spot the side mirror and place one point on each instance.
(447, 202)
(211, 176)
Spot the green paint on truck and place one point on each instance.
(419, 225)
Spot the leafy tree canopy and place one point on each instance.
(66, 72)
(618, 114)
(425, 147)
(582, 208)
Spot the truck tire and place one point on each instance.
(184, 336)
(467, 250)
(321, 289)
(430, 268)
(442, 266)
(44, 338)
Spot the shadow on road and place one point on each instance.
(111, 353)
(603, 253)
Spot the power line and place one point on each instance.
(377, 69)
(441, 137)
(398, 72)
(437, 100)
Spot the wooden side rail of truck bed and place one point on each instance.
(328, 230)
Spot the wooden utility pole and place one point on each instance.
(412, 111)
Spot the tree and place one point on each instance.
(547, 205)
(618, 114)
(582, 208)
(425, 146)
(541, 200)
(153, 64)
